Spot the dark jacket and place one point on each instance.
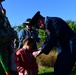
(59, 32)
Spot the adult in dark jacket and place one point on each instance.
(60, 35)
(3, 66)
(7, 35)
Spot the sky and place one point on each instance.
(19, 10)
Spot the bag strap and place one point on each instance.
(24, 31)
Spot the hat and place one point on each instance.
(34, 19)
(27, 21)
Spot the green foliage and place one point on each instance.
(18, 28)
(72, 24)
(49, 71)
(45, 70)
(42, 34)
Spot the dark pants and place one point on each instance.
(62, 66)
(66, 60)
(14, 72)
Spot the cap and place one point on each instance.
(27, 21)
(34, 19)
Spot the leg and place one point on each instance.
(62, 63)
(73, 51)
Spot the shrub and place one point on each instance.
(47, 60)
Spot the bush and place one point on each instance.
(47, 60)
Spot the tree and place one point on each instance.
(72, 24)
(19, 27)
(42, 34)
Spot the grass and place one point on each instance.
(45, 71)
(73, 72)
(49, 71)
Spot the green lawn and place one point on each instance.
(49, 71)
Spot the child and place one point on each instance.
(26, 63)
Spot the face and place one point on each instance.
(29, 45)
(28, 27)
(40, 24)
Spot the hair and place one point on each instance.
(30, 40)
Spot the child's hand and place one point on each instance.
(26, 72)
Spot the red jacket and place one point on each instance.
(26, 61)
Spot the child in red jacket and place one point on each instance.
(26, 62)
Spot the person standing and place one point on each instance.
(3, 66)
(59, 35)
(7, 35)
(10, 48)
(26, 32)
(26, 63)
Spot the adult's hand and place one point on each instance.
(36, 53)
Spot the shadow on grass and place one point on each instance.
(73, 72)
(49, 73)
(52, 73)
